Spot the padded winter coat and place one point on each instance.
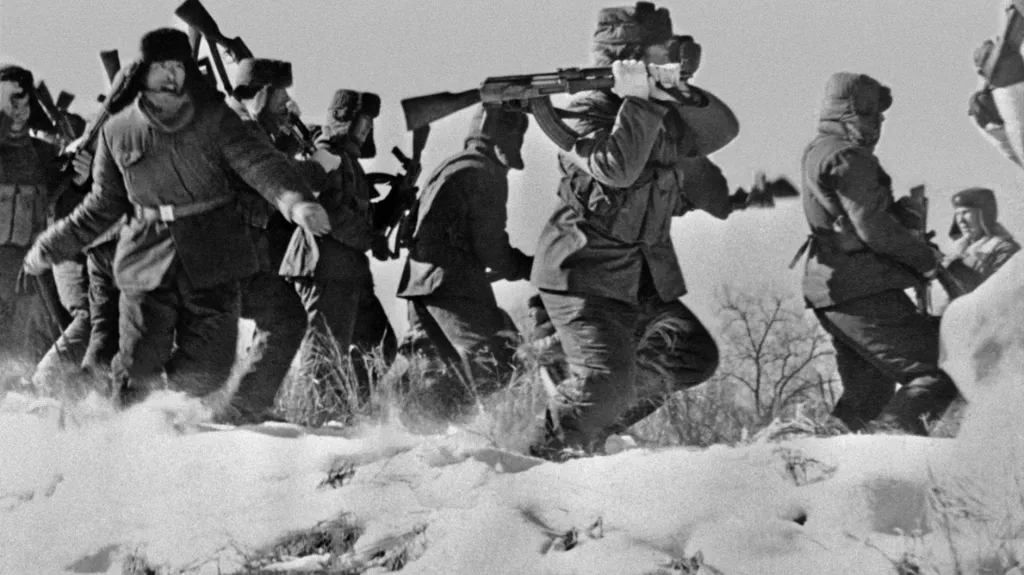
(632, 170)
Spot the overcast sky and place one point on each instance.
(767, 59)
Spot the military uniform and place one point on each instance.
(605, 259)
(267, 298)
(974, 259)
(332, 292)
(861, 258)
(29, 181)
(460, 235)
(184, 250)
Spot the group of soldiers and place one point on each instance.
(194, 209)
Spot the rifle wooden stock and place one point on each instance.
(64, 100)
(424, 110)
(921, 292)
(195, 15)
(111, 63)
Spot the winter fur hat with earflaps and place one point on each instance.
(165, 44)
(255, 73)
(624, 32)
(848, 95)
(984, 200)
(503, 129)
(345, 107)
(37, 119)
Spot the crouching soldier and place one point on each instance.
(860, 261)
(165, 159)
(459, 247)
(981, 244)
(262, 102)
(605, 264)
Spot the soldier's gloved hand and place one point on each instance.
(36, 262)
(293, 108)
(380, 249)
(83, 167)
(311, 216)
(631, 79)
(327, 160)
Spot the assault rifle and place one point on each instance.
(396, 212)
(56, 114)
(532, 93)
(111, 63)
(195, 15)
(202, 25)
(763, 193)
(921, 292)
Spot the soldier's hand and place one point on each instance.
(631, 79)
(312, 217)
(83, 166)
(293, 108)
(35, 262)
(328, 161)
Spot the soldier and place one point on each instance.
(333, 290)
(981, 244)
(60, 367)
(861, 258)
(180, 258)
(459, 247)
(30, 178)
(262, 101)
(605, 264)
(372, 328)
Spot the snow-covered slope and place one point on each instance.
(147, 483)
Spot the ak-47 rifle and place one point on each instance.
(532, 93)
(763, 193)
(202, 25)
(195, 15)
(111, 63)
(56, 115)
(921, 291)
(396, 212)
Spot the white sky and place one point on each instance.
(768, 60)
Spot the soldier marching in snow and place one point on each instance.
(31, 179)
(165, 160)
(862, 255)
(261, 100)
(457, 332)
(605, 264)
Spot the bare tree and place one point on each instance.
(775, 351)
(774, 357)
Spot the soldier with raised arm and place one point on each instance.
(165, 160)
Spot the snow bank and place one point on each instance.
(81, 489)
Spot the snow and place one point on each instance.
(81, 489)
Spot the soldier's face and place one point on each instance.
(277, 102)
(969, 222)
(167, 77)
(658, 53)
(14, 104)
(361, 129)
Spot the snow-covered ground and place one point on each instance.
(147, 483)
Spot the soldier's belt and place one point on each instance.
(169, 213)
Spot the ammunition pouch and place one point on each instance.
(22, 213)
